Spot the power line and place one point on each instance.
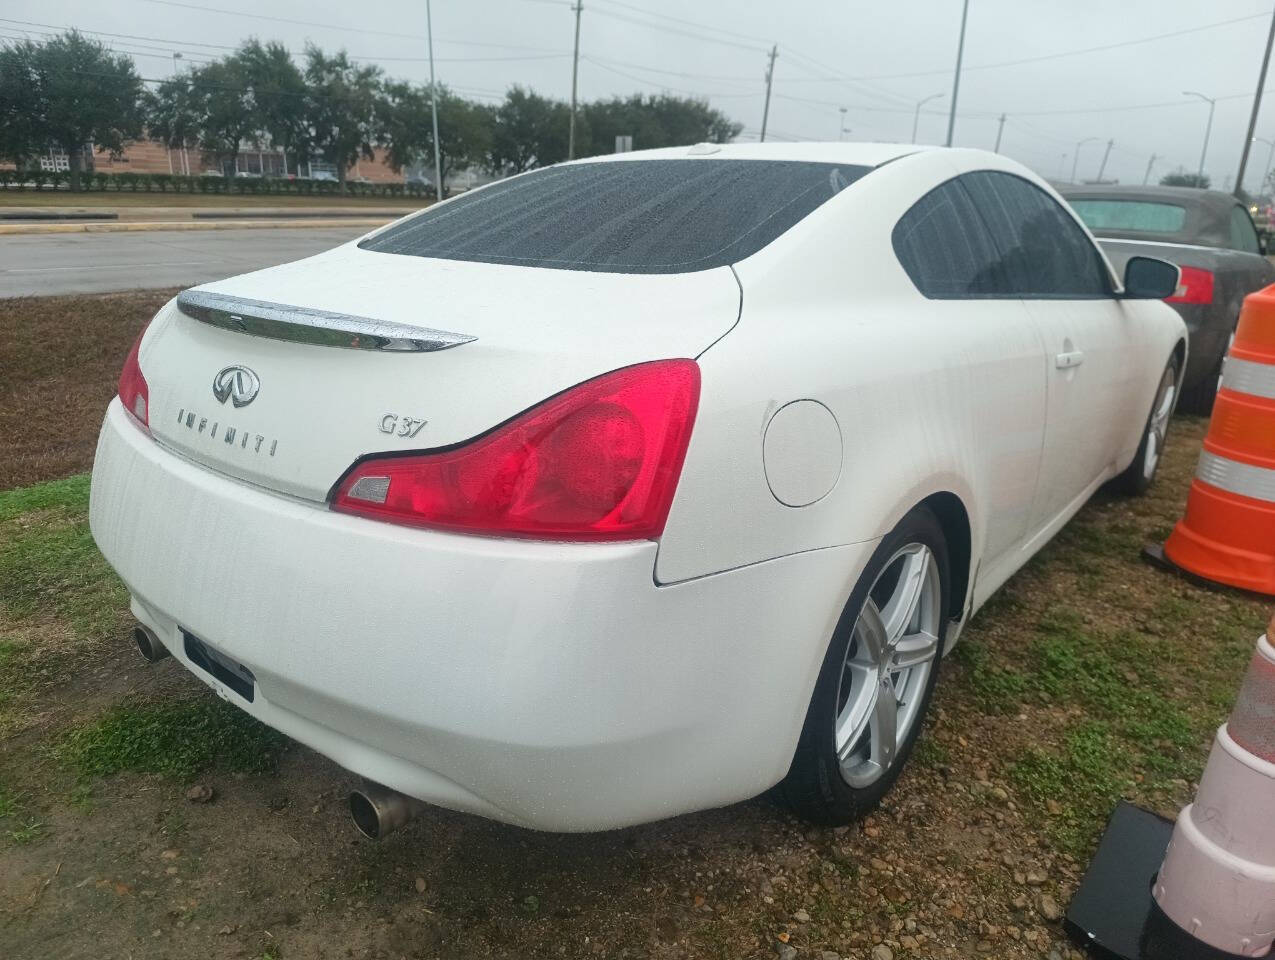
(341, 27)
(706, 38)
(1075, 53)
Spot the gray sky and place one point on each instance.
(874, 59)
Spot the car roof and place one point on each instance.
(856, 153)
(1208, 212)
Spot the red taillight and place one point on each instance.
(597, 462)
(133, 390)
(1196, 286)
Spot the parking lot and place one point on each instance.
(1090, 677)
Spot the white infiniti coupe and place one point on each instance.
(635, 485)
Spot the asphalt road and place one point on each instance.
(40, 265)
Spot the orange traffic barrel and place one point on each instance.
(1228, 533)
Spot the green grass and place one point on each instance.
(49, 564)
(174, 739)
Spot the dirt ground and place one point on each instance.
(1090, 677)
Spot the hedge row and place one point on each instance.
(177, 183)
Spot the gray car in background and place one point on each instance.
(1210, 236)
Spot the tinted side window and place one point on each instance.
(1243, 236)
(945, 248)
(1045, 252)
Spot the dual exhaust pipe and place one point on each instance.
(377, 811)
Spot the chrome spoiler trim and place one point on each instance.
(277, 321)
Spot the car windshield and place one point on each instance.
(1141, 216)
(628, 216)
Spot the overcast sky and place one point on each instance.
(874, 59)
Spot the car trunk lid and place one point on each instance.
(287, 376)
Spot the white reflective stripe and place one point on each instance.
(1245, 376)
(1235, 477)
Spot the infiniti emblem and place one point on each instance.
(237, 384)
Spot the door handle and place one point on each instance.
(1069, 359)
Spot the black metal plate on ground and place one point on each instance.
(1113, 913)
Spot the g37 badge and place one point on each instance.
(401, 426)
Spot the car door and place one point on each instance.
(997, 375)
(1053, 265)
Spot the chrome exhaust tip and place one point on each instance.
(148, 644)
(378, 810)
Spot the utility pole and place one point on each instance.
(770, 76)
(1000, 128)
(1208, 128)
(1103, 166)
(1257, 105)
(1150, 163)
(575, 74)
(1075, 157)
(956, 79)
(1270, 155)
(433, 105)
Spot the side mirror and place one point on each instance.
(1146, 278)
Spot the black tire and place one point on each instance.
(1198, 399)
(814, 786)
(1135, 481)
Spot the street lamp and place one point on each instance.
(1270, 155)
(916, 118)
(1207, 129)
(844, 130)
(1075, 157)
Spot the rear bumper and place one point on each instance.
(549, 685)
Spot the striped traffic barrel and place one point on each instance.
(1217, 882)
(1228, 532)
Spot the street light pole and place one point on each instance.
(842, 134)
(433, 105)
(916, 117)
(956, 79)
(1000, 129)
(1150, 163)
(1208, 128)
(1257, 105)
(1075, 157)
(575, 73)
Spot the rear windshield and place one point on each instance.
(629, 216)
(1143, 216)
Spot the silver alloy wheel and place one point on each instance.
(1158, 427)
(887, 665)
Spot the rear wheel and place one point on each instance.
(877, 678)
(1138, 476)
(1198, 399)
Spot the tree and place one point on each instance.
(655, 121)
(224, 112)
(405, 128)
(19, 119)
(1181, 178)
(530, 131)
(342, 108)
(81, 96)
(278, 95)
(173, 113)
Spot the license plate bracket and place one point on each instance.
(229, 672)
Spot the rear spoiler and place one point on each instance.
(277, 321)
